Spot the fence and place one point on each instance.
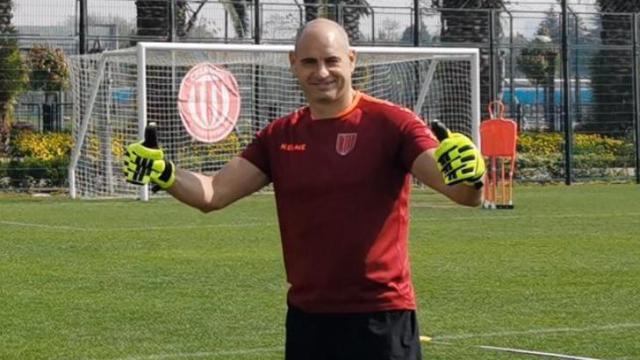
(44, 111)
(522, 62)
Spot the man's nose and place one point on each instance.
(322, 70)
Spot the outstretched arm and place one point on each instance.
(235, 180)
(145, 163)
(425, 169)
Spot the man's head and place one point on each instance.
(323, 63)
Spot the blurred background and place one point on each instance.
(577, 113)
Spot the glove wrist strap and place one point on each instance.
(167, 177)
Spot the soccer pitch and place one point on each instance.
(115, 280)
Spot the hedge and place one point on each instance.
(36, 159)
(541, 156)
(41, 159)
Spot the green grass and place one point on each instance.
(130, 280)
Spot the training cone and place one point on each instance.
(425, 339)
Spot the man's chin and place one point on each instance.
(324, 98)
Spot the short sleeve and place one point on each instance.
(257, 152)
(416, 138)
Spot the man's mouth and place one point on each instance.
(324, 85)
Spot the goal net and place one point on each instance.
(117, 92)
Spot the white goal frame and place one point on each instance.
(472, 55)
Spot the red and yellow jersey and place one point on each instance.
(342, 191)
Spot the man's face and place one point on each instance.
(323, 65)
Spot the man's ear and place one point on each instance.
(292, 58)
(352, 59)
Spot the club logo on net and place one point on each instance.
(345, 143)
(209, 102)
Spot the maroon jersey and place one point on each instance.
(342, 191)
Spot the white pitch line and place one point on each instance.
(132, 228)
(436, 340)
(539, 331)
(538, 353)
(179, 227)
(262, 224)
(512, 217)
(203, 354)
(45, 226)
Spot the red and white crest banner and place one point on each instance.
(209, 102)
(345, 143)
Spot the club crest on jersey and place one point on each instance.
(345, 143)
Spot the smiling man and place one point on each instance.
(341, 170)
(323, 64)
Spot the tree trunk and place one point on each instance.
(472, 27)
(154, 21)
(351, 11)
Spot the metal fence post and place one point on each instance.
(636, 94)
(257, 28)
(512, 71)
(416, 23)
(83, 27)
(226, 26)
(577, 86)
(373, 25)
(172, 21)
(568, 130)
(493, 88)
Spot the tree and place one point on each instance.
(280, 26)
(538, 63)
(48, 73)
(468, 22)
(49, 70)
(407, 35)
(123, 28)
(238, 11)
(352, 11)
(153, 18)
(388, 29)
(612, 69)
(13, 72)
(153, 22)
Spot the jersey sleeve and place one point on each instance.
(416, 138)
(257, 152)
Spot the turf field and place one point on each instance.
(112, 280)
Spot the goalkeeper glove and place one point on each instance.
(460, 161)
(143, 165)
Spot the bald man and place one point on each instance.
(341, 170)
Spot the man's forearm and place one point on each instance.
(465, 194)
(194, 189)
(237, 179)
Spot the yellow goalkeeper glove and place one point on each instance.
(144, 165)
(460, 161)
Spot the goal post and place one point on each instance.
(118, 92)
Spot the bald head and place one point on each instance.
(322, 32)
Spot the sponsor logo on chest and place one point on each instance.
(293, 147)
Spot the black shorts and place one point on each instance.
(385, 335)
